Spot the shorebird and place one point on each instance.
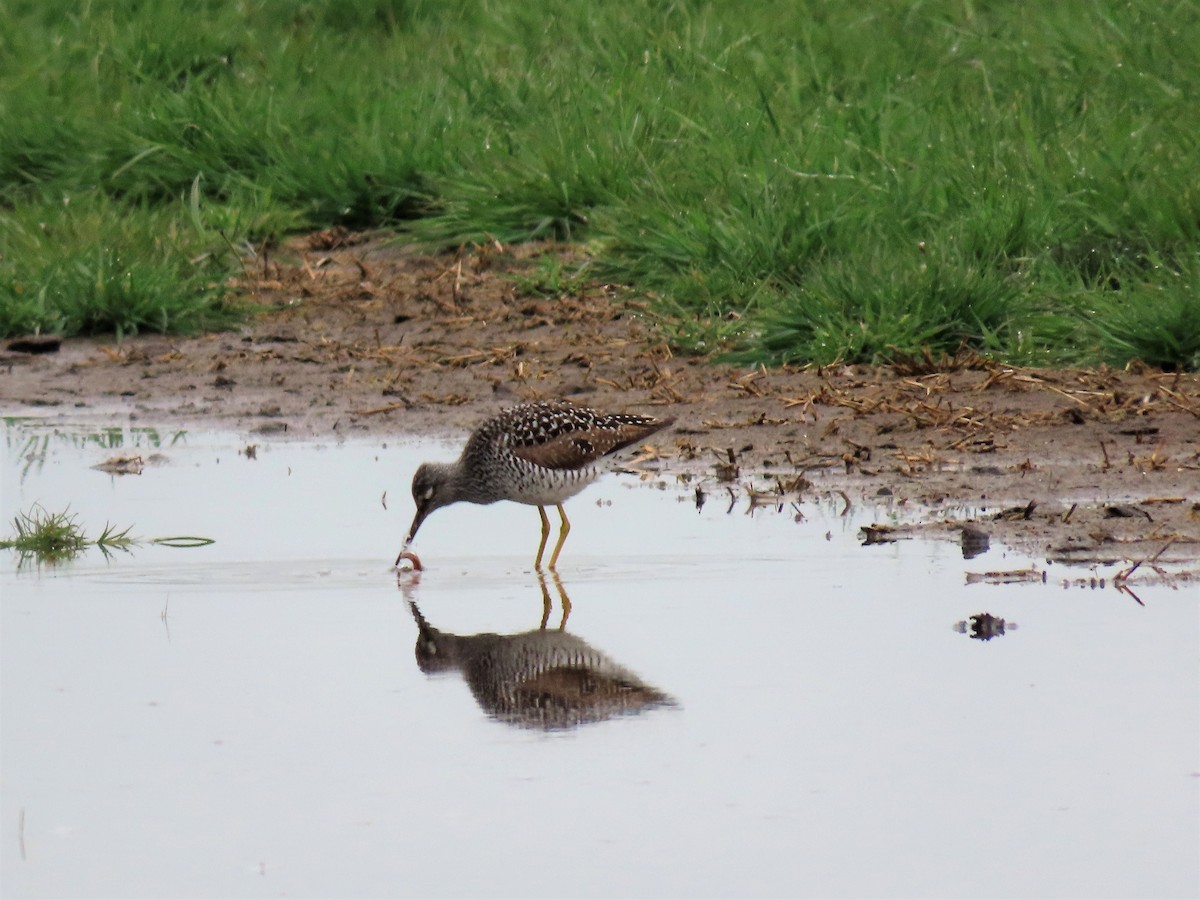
(540, 454)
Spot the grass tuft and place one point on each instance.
(1152, 319)
(552, 275)
(48, 536)
(55, 537)
(94, 265)
(897, 305)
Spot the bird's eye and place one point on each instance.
(427, 493)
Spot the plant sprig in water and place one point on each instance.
(53, 537)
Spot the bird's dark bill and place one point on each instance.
(412, 533)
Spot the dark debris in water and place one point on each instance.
(984, 627)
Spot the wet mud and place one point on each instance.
(355, 335)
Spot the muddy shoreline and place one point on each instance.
(361, 337)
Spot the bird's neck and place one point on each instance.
(466, 483)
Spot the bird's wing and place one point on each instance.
(560, 435)
(576, 449)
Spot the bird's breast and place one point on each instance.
(539, 486)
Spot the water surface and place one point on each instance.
(250, 719)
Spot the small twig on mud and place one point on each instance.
(1156, 460)
(747, 384)
(1124, 574)
(725, 471)
(1165, 547)
(1017, 513)
(1071, 396)
(309, 271)
(391, 407)
(1186, 409)
(1070, 512)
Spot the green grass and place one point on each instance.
(56, 537)
(791, 182)
(94, 265)
(53, 537)
(553, 276)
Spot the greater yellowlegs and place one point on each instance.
(535, 453)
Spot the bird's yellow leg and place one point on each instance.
(562, 536)
(537, 563)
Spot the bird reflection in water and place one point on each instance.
(544, 679)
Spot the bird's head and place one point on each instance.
(432, 487)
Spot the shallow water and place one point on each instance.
(249, 719)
